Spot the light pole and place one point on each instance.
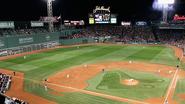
(165, 13)
(50, 14)
(164, 6)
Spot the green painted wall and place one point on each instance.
(76, 41)
(21, 40)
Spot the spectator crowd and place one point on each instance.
(133, 34)
(125, 34)
(120, 33)
(5, 32)
(5, 81)
(172, 37)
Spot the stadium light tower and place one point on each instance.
(165, 13)
(164, 6)
(50, 14)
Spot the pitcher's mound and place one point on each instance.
(130, 82)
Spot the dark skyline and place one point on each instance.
(23, 10)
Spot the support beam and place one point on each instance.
(50, 14)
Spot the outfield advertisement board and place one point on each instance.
(2, 42)
(126, 23)
(26, 40)
(21, 40)
(49, 19)
(7, 24)
(37, 24)
(141, 23)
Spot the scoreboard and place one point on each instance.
(102, 19)
(102, 15)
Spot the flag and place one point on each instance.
(59, 17)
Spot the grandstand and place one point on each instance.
(5, 84)
(14, 41)
(7, 100)
(5, 81)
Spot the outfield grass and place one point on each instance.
(41, 65)
(149, 86)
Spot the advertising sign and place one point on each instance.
(7, 24)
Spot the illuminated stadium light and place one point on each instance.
(159, 5)
(50, 0)
(164, 6)
(163, 2)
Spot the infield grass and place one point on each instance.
(149, 86)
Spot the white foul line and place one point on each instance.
(91, 92)
(174, 81)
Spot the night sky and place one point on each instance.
(25, 10)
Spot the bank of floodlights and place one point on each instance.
(164, 6)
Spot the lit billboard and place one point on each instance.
(91, 20)
(7, 24)
(37, 24)
(113, 20)
(126, 23)
(141, 23)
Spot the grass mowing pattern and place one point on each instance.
(146, 53)
(150, 85)
(69, 98)
(77, 60)
(41, 65)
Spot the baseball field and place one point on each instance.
(98, 74)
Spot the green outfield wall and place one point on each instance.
(16, 40)
(69, 32)
(76, 41)
(22, 40)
